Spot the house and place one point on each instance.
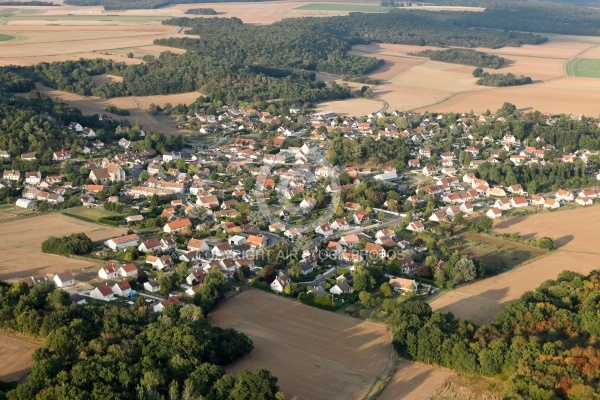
(340, 224)
(551, 204)
(28, 156)
(76, 127)
(375, 250)
(407, 264)
(11, 175)
(517, 189)
(466, 207)
(360, 217)
(128, 270)
(179, 225)
(584, 201)
(134, 218)
(62, 155)
(518, 202)
(152, 286)
(256, 242)
(160, 306)
(280, 283)
(122, 242)
(197, 245)
(494, 213)
(502, 204)
(308, 204)
(102, 292)
(334, 248)
(122, 288)
(4, 154)
(416, 226)
(160, 263)
(350, 241)
(33, 178)
(277, 227)
(497, 192)
(438, 216)
(63, 279)
(150, 245)
(237, 240)
(222, 250)
(108, 272)
(325, 230)
(341, 288)
(350, 257)
(196, 276)
(403, 285)
(112, 172)
(537, 200)
(564, 195)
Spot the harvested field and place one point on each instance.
(15, 354)
(577, 242)
(315, 354)
(20, 244)
(351, 106)
(96, 105)
(345, 7)
(414, 381)
(161, 100)
(100, 80)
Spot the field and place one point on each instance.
(4, 38)
(87, 214)
(414, 381)
(344, 7)
(20, 244)
(15, 354)
(577, 242)
(586, 67)
(315, 354)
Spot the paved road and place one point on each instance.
(317, 282)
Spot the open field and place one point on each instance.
(5, 38)
(96, 105)
(414, 381)
(20, 244)
(344, 7)
(315, 354)
(86, 213)
(8, 211)
(587, 67)
(16, 359)
(100, 80)
(577, 242)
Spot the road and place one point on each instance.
(322, 279)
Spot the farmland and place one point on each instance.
(577, 243)
(87, 214)
(343, 7)
(20, 244)
(4, 37)
(15, 354)
(586, 67)
(336, 356)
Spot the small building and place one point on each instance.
(196, 276)
(494, 213)
(341, 287)
(160, 306)
(152, 286)
(103, 292)
(416, 226)
(122, 289)
(128, 270)
(25, 203)
(108, 272)
(122, 242)
(403, 285)
(179, 225)
(64, 279)
(280, 283)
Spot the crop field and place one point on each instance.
(587, 67)
(101, 19)
(15, 354)
(344, 7)
(20, 244)
(315, 354)
(577, 250)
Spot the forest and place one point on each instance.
(463, 56)
(144, 4)
(499, 80)
(544, 346)
(97, 351)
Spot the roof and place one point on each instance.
(129, 267)
(179, 224)
(151, 243)
(64, 276)
(105, 290)
(110, 269)
(402, 283)
(125, 239)
(124, 285)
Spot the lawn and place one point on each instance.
(343, 7)
(88, 214)
(586, 67)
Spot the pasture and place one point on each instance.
(315, 354)
(21, 240)
(586, 67)
(15, 354)
(577, 250)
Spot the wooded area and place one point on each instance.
(463, 56)
(500, 80)
(544, 346)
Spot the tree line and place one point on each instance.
(544, 346)
(77, 243)
(463, 56)
(499, 80)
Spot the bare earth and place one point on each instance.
(315, 354)
(578, 250)
(21, 240)
(16, 359)
(413, 381)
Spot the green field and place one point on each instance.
(117, 19)
(4, 38)
(586, 67)
(343, 7)
(88, 214)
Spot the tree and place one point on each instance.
(363, 281)
(366, 299)
(464, 270)
(294, 269)
(304, 242)
(259, 384)
(197, 213)
(485, 223)
(386, 289)
(256, 219)
(182, 269)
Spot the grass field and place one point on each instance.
(88, 214)
(21, 240)
(4, 38)
(15, 354)
(315, 354)
(586, 67)
(343, 7)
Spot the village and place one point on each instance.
(263, 205)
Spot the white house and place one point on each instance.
(150, 245)
(196, 275)
(122, 288)
(63, 279)
(325, 230)
(416, 226)
(494, 213)
(128, 270)
(103, 292)
(33, 178)
(122, 242)
(172, 301)
(502, 204)
(518, 202)
(564, 195)
(62, 155)
(108, 272)
(340, 288)
(280, 283)
(152, 286)
(584, 201)
(222, 250)
(237, 240)
(551, 204)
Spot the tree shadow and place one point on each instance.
(487, 303)
(563, 241)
